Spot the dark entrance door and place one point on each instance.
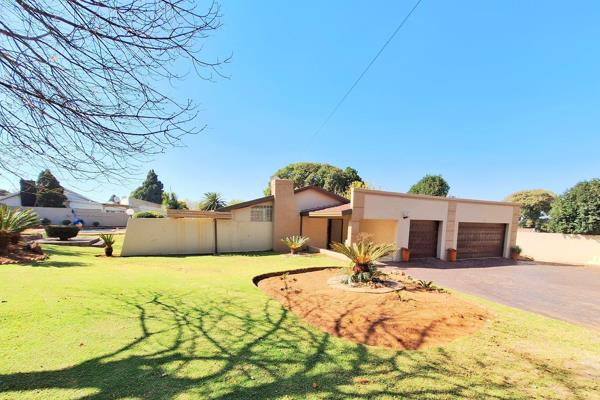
(477, 240)
(334, 231)
(423, 238)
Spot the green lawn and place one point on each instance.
(78, 326)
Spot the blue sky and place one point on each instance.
(495, 96)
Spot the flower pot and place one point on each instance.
(452, 255)
(108, 251)
(515, 256)
(405, 254)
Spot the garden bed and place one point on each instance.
(17, 254)
(413, 318)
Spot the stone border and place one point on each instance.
(260, 277)
(336, 283)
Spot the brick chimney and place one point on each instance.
(286, 217)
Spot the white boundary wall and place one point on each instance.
(560, 248)
(89, 216)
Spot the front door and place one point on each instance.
(334, 231)
(423, 238)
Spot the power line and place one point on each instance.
(332, 113)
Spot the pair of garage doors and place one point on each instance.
(475, 240)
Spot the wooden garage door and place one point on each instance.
(422, 238)
(480, 240)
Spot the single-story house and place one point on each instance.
(427, 225)
(74, 200)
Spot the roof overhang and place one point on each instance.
(329, 212)
(198, 214)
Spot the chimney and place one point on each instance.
(286, 217)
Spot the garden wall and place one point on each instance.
(89, 216)
(560, 248)
(169, 236)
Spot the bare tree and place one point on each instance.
(80, 81)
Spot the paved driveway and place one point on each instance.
(565, 292)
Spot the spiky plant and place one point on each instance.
(109, 240)
(295, 243)
(13, 221)
(363, 255)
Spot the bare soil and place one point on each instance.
(410, 319)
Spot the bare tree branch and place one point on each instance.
(79, 81)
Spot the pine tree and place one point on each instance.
(49, 191)
(151, 189)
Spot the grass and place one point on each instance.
(84, 327)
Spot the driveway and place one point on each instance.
(570, 293)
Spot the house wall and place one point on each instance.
(78, 201)
(316, 230)
(402, 208)
(12, 201)
(560, 248)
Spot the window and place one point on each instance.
(261, 214)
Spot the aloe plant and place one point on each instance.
(363, 255)
(109, 240)
(295, 243)
(13, 221)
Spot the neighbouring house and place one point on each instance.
(140, 205)
(427, 225)
(77, 206)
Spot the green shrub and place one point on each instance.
(66, 222)
(577, 211)
(45, 221)
(295, 243)
(63, 232)
(535, 206)
(96, 224)
(148, 214)
(431, 185)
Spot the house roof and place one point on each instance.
(335, 211)
(271, 197)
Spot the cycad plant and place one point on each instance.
(295, 243)
(363, 255)
(13, 221)
(109, 240)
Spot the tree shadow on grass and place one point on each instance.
(232, 350)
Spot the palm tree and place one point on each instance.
(212, 201)
(12, 223)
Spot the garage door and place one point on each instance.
(480, 240)
(422, 238)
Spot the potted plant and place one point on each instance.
(515, 252)
(452, 255)
(363, 255)
(405, 254)
(295, 243)
(109, 240)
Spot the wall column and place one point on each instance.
(357, 199)
(286, 218)
(451, 230)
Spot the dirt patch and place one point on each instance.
(413, 318)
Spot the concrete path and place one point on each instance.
(570, 293)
